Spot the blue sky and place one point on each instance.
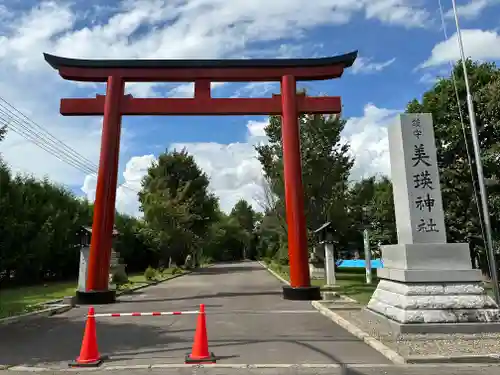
(393, 37)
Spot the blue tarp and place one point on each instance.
(359, 263)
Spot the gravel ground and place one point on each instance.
(425, 344)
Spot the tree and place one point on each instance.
(270, 238)
(457, 184)
(226, 240)
(322, 151)
(39, 221)
(382, 215)
(134, 249)
(177, 205)
(372, 207)
(244, 215)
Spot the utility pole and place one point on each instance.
(479, 164)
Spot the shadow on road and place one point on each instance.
(230, 342)
(58, 339)
(204, 296)
(226, 268)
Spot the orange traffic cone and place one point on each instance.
(89, 353)
(200, 353)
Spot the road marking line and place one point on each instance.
(263, 312)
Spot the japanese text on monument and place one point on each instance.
(422, 180)
(424, 190)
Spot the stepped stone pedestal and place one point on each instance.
(426, 285)
(115, 266)
(317, 265)
(316, 272)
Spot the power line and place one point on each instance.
(479, 163)
(20, 124)
(462, 122)
(5, 106)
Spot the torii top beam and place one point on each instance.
(242, 70)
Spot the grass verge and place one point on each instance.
(25, 299)
(351, 282)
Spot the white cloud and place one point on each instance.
(235, 173)
(366, 65)
(472, 9)
(126, 194)
(153, 29)
(145, 29)
(397, 12)
(260, 89)
(367, 136)
(233, 169)
(478, 44)
(430, 78)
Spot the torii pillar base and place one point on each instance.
(95, 297)
(308, 293)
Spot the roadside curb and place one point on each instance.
(275, 274)
(131, 290)
(349, 327)
(303, 366)
(463, 359)
(60, 308)
(355, 331)
(387, 352)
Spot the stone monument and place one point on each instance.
(325, 234)
(83, 268)
(427, 285)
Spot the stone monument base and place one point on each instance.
(316, 272)
(432, 307)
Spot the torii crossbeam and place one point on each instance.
(115, 104)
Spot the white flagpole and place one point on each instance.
(479, 163)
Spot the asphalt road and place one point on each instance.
(248, 323)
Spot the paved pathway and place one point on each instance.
(242, 302)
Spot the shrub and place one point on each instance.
(176, 271)
(120, 277)
(150, 274)
(206, 259)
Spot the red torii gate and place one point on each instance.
(115, 104)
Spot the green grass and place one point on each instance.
(138, 279)
(19, 300)
(351, 282)
(353, 285)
